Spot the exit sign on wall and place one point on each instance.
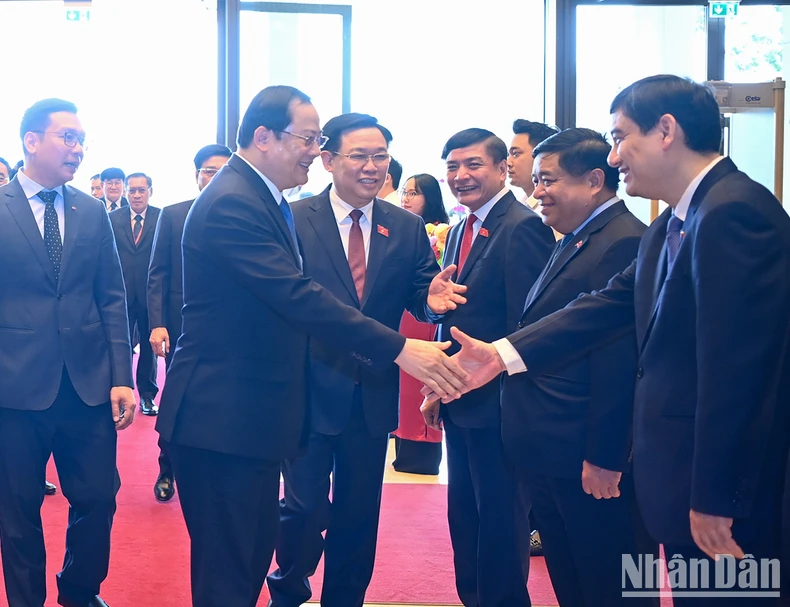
(723, 9)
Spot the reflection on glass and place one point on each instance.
(753, 44)
(648, 40)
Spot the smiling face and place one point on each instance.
(411, 199)
(356, 176)
(288, 158)
(113, 189)
(473, 176)
(638, 157)
(49, 161)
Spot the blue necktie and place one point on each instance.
(674, 236)
(289, 219)
(563, 243)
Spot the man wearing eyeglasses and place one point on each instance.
(5, 171)
(113, 181)
(65, 362)
(248, 311)
(165, 293)
(376, 258)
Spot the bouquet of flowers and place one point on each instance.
(437, 233)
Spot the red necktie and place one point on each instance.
(356, 253)
(466, 240)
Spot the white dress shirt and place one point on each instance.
(342, 209)
(508, 352)
(117, 204)
(38, 206)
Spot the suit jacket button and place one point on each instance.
(60, 295)
(639, 373)
(521, 325)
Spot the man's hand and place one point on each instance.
(599, 482)
(123, 406)
(430, 413)
(478, 359)
(425, 361)
(443, 294)
(160, 341)
(713, 535)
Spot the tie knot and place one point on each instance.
(47, 196)
(566, 240)
(355, 215)
(138, 218)
(675, 224)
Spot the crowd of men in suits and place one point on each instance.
(650, 410)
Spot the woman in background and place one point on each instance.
(418, 448)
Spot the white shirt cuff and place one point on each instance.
(510, 357)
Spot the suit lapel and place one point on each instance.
(19, 208)
(550, 272)
(324, 222)
(451, 248)
(379, 241)
(72, 217)
(125, 216)
(490, 224)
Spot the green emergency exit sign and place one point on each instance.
(723, 9)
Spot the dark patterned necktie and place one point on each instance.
(113, 206)
(674, 236)
(356, 253)
(137, 230)
(52, 240)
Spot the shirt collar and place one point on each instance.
(136, 214)
(609, 203)
(278, 195)
(682, 209)
(341, 208)
(483, 211)
(31, 188)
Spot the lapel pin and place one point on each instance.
(579, 244)
(383, 231)
(483, 232)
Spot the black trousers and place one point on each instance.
(82, 440)
(146, 363)
(491, 561)
(356, 460)
(230, 509)
(584, 539)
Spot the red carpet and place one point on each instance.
(150, 555)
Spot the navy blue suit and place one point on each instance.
(503, 263)
(63, 345)
(235, 401)
(352, 409)
(580, 412)
(711, 418)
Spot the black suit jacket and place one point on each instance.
(582, 411)
(401, 265)
(499, 272)
(710, 413)
(165, 276)
(79, 322)
(134, 258)
(247, 313)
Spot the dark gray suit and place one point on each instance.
(62, 347)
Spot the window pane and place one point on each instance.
(662, 39)
(143, 74)
(753, 44)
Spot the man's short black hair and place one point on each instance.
(209, 151)
(148, 180)
(5, 162)
(270, 108)
(112, 173)
(396, 172)
(690, 103)
(346, 123)
(96, 176)
(37, 116)
(580, 151)
(536, 131)
(495, 147)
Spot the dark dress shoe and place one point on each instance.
(164, 489)
(96, 601)
(148, 407)
(535, 545)
(49, 488)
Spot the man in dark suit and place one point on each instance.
(165, 296)
(709, 298)
(376, 258)
(65, 362)
(234, 405)
(500, 250)
(568, 432)
(97, 190)
(134, 227)
(112, 183)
